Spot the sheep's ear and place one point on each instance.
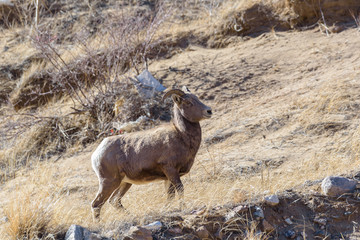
(177, 99)
(185, 89)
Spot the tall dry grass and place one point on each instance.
(34, 208)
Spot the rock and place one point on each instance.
(154, 226)
(267, 226)
(259, 213)
(320, 233)
(240, 209)
(4, 219)
(321, 221)
(288, 221)
(335, 186)
(76, 232)
(138, 233)
(230, 215)
(290, 234)
(174, 231)
(235, 211)
(202, 232)
(347, 213)
(271, 200)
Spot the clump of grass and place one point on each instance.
(33, 211)
(29, 218)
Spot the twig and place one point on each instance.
(323, 18)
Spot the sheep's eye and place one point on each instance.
(188, 103)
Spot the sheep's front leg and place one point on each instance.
(170, 190)
(174, 178)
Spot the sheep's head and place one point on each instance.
(189, 105)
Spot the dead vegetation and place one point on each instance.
(60, 82)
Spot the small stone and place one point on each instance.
(4, 219)
(259, 213)
(138, 233)
(304, 235)
(288, 221)
(321, 221)
(320, 233)
(271, 200)
(335, 186)
(267, 226)
(76, 232)
(230, 215)
(336, 28)
(154, 226)
(176, 230)
(347, 213)
(240, 209)
(202, 232)
(290, 234)
(234, 212)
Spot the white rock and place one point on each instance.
(153, 226)
(321, 221)
(288, 221)
(259, 213)
(271, 200)
(76, 232)
(240, 209)
(335, 186)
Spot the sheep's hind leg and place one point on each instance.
(106, 188)
(117, 195)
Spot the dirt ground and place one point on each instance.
(285, 115)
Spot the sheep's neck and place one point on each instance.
(189, 131)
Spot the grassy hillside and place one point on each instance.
(281, 77)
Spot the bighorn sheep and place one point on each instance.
(163, 153)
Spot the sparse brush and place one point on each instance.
(34, 214)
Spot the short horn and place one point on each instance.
(173, 91)
(185, 89)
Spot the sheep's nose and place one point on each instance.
(207, 113)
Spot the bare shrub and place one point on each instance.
(124, 42)
(92, 75)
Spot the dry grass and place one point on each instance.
(36, 214)
(322, 122)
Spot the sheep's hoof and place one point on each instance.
(96, 214)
